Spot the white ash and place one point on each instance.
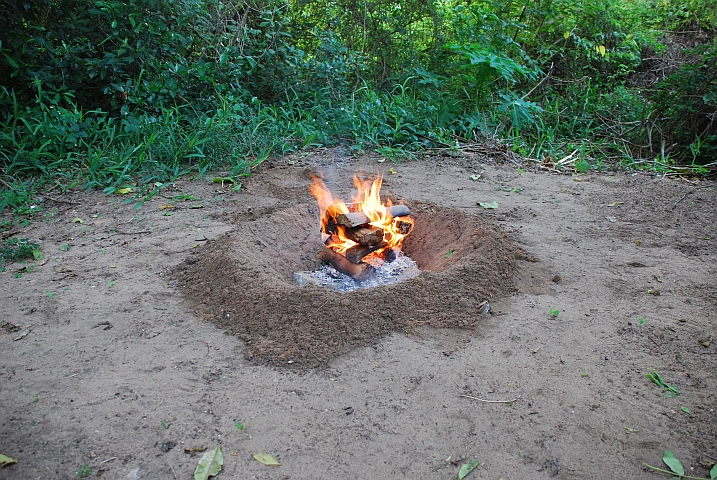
(386, 273)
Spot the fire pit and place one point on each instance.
(244, 281)
(362, 239)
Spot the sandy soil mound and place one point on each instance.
(244, 283)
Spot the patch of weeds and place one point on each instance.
(84, 471)
(111, 283)
(676, 467)
(554, 312)
(450, 253)
(50, 294)
(17, 249)
(164, 424)
(65, 248)
(670, 391)
(641, 321)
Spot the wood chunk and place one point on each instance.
(357, 252)
(354, 219)
(360, 271)
(365, 235)
(404, 228)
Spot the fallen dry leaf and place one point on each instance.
(267, 459)
(210, 464)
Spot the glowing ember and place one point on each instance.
(365, 222)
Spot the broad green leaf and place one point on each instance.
(5, 460)
(467, 468)
(566, 35)
(685, 409)
(267, 459)
(713, 472)
(124, 191)
(492, 205)
(210, 464)
(223, 179)
(582, 166)
(37, 255)
(475, 177)
(78, 220)
(673, 463)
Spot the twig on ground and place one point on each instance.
(687, 193)
(57, 200)
(7, 235)
(491, 401)
(173, 472)
(110, 459)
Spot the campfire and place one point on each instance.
(361, 235)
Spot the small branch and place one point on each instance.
(687, 193)
(491, 401)
(539, 83)
(57, 200)
(673, 473)
(110, 459)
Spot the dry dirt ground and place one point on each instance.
(153, 330)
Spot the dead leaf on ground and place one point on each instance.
(489, 205)
(267, 459)
(5, 460)
(706, 341)
(195, 450)
(23, 335)
(210, 464)
(467, 468)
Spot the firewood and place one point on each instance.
(404, 228)
(360, 271)
(357, 252)
(354, 219)
(365, 235)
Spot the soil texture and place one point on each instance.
(146, 334)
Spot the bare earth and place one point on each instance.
(156, 333)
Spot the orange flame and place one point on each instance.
(368, 201)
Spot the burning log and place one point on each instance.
(404, 228)
(360, 271)
(357, 252)
(355, 219)
(365, 235)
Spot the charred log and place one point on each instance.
(356, 253)
(355, 219)
(365, 235)
(359, 271)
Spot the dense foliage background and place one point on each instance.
(108, 93)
